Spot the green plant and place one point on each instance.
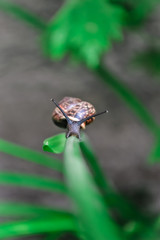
(79, 30)
(95, 202)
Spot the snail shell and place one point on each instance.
(76, 110)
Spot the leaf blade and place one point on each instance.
(37, 226)
(21, 209)
(29, 155)
(88, 202)
(31, 181)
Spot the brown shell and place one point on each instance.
(76, 109)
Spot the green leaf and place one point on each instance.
(22, 14)
(18, 209)
(154, 155)
(55, 144)
(89, 205)
(29, 155)
(85, 29)
(37, 226)
(123, 207)
(149, 60)
(31, 181)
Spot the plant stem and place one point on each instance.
(129, 97)
(23, 14)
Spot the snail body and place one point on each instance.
(73, 114)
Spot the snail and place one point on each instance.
(73, 114)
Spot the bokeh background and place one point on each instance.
(27, 82)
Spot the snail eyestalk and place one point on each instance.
(94, 115)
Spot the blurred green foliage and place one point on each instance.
(155, 152)
(149, 60)
(29, 155)
(137, 11)
(85, 30)
(96, 203)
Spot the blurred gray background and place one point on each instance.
(28, 80)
